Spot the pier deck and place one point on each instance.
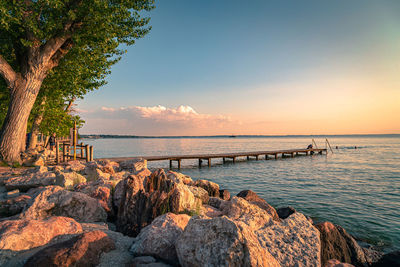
(224, 156)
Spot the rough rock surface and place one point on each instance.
(82, 250)
(30, 180)
(17, 235)
(239, 209)
(210, 187)
(75, 165)
(145, 198)
(293, 242)
(134, 165)
(220, 242)
(224, 194)
(13, 206)
(179, 177)
(336, 243)
(200, 193)
(283, 213)
(336, 263)
(100, 190)
(253, 198)
(54, 201)
(166, 228)
(147, 261)
(69, 179)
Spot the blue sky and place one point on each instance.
(249, 67)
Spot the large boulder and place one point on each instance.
(179, 177)
(109, 166)
(239, 209)
(75, 166)
(17, 235)
(293, 242)
(200, 193)
(69, 179)
(133, 165)
(100, 190)
(220, 242)
(158, 239)
(54, 201)
(253, 198)
(30, 180)
(145, 198)
(210, 187)
(336, 243)
(82, 250)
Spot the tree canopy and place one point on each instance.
(81, 37)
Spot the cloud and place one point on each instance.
(156, 120)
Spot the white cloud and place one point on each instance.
(156, 120)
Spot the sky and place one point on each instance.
(256, 67)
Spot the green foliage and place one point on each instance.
(94, 31)
(16, 165)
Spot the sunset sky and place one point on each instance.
(256, 67)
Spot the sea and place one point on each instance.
(356, 185)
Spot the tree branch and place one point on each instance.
(9, 75)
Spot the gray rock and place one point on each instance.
(54, 201)
(200, 193)
(31, 180)
(69, 179)
(158, 239)
(220, 242)
(134, 165)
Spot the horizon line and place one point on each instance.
(227, 135)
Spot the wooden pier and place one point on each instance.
(228, 156)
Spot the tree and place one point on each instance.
(36, 35)
(72, 79)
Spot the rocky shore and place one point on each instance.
(105, 213)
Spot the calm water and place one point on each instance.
(358, 189)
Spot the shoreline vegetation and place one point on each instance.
(117, 136)
(104, 213)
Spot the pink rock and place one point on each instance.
(17, 235)
(82, 250)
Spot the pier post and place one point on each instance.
(81, 146)
(199, 163)
(179, 163)
(233, 159)
(170, 163)
(248, 158)
(87, 153)
(91, 153)
(57, 152)
(276, 156)
(292, 154)
(266, 157)
(209, 162)
(256, 157)
(223, 160)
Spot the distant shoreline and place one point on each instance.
(110, 136)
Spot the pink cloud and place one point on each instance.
(156, 120)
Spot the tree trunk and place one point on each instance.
(13, 131)
(36, 124)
